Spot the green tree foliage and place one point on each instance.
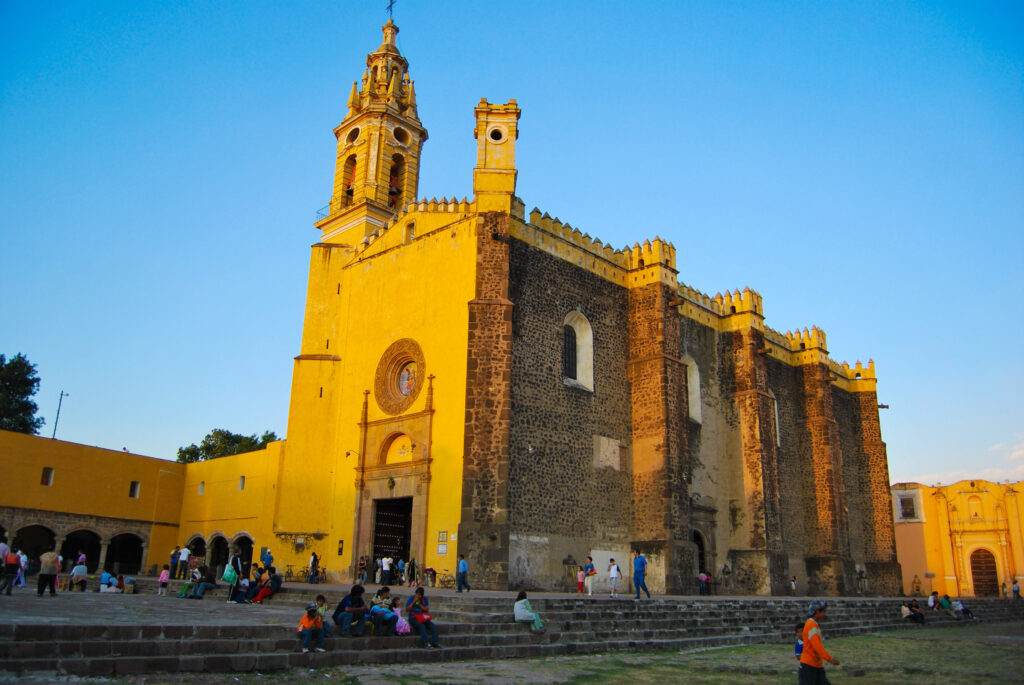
(222, 443)
(18, 383)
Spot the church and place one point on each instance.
(475, 379)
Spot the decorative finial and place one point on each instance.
(391, 9)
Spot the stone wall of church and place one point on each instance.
(796, 473)
(570, 482)
(713, 442)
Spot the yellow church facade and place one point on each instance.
(964, 539)
(477, 379)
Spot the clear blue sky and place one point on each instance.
(860, 164)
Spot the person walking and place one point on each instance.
(640, 574)
(361, 570)
(812, 670)
(614, 573)
(48, 564)
(314, 568)
(236, 584)
(1016, 589)
(175, 555)
(12, 565)
(792, 586)
(462, 575)
(183, 557)
(590, 572)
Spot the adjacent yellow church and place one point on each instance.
(476, 379)
(963, 539)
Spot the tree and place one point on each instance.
(18, 383)
(223, 443)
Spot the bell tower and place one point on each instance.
(376, 172)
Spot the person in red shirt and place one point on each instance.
(812, 668)
(311, 627)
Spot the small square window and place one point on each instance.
(202, 486)
(907, 508)
(133, 490)
(241, 482)
(47, 478)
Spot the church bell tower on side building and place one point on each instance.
(376, 172)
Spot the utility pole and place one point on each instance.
(59, 402)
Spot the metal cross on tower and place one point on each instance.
(391, 9)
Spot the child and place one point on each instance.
(581, 578)
(614, 573)
(165, 576)
(321, 609)
(799, 648)
(311, 628)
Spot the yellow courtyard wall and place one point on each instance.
(215, 501)
(363, 301)
(92, 482)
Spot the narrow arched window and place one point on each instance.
(396, 180)
(578, 340)
(775, 419)
(569, 352)
(692, 388)
(348, 180)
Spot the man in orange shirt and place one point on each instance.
(311, 628)
(812, 670)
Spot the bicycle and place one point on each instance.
(446, 579)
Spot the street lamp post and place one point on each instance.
(59, 403)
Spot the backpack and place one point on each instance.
(13, 559)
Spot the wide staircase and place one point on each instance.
(471, 627)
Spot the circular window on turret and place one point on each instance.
(401, 135)
(352, 136)
(496, 134)
(399, 376)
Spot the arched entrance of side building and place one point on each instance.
(78, 542)
(983, 573)
(244, 544)
(34, 540)
(124, 554)
(197, 546)
(218, 556)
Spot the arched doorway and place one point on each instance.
(983, 574)
(218, 556)
(244, 545)
(702, 560)
(124, 554)
(81, 541)
(198, 548)
(34, 540)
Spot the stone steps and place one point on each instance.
(409, 653)
(263, 639)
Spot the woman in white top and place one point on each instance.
(524, 614)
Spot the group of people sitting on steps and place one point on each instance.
(382, 614)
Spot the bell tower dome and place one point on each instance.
(376, 172)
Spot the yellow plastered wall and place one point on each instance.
(363, 300)
(215, 500)
(92, 481)
(953, 522)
